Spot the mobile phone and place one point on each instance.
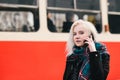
(86, 44)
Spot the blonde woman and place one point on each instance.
(87, 59)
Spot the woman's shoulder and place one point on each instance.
(101, 47)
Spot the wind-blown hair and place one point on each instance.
(87, 25)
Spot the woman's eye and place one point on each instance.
(74, 34)
(81, 32)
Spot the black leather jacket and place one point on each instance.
(99, 69)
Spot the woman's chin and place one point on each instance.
(78, 45)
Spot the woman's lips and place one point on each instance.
(78, 41)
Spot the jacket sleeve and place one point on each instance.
(99, 65)
(71, 63)
(68, 69)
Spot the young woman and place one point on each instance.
(87, 59)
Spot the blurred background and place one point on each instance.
(34, 33)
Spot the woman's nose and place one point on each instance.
(77, 36)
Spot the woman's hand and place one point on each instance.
(91, 44)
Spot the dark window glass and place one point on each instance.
(114, 5)
(88, 4)
(23, 2)
(114, 19)
(60, 3)
(114, 22)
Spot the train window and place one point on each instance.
(60, 3)
(114, 23)
(19, 16)
(62, 21)
(23, 2)
(114, 5)
(64, 13)
(114, 16)
(88, 4)
(16, 21)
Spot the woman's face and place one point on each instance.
(80, 34)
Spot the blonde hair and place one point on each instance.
(87, 25)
